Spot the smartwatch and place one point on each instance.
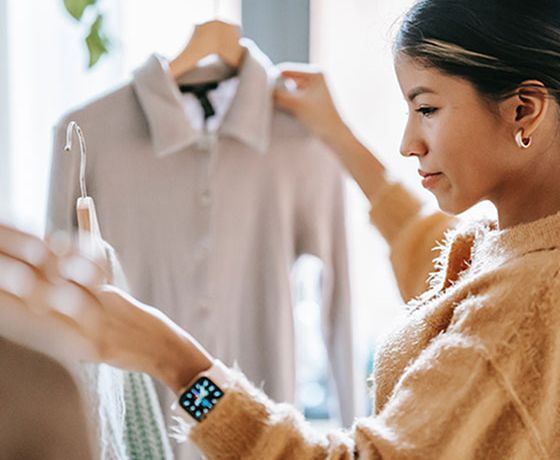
(200, 397)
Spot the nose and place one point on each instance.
(412, 143)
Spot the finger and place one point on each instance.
(17, 278)
(295, 69)
(82, 270)
(282, 95)
(14, 310)
(60, 243)
(62, 246)
(298, 78)
(10, 301)
(53, 330)
(68, 323)
(26, 248)
(17, 322)
(21, 282)
(94, 268)
(299, 82)
(74, 303)
(95, 262)
(285, 100)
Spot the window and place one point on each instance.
(4, 118)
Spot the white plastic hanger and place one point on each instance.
(89, 234)
(213, 37)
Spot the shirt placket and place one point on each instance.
(205, 301)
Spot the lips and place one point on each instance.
(430, 180)
(427, 174)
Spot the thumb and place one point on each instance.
(286, 100)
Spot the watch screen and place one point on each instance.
(200, 398)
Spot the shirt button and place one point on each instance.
(204, 305)
(206, 198)
(202, 251)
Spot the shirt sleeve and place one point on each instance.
(322, 233)
(449, 403)
(411, 236)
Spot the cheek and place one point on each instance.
(471, 170)
(471, 177)
(467, 143)
(468, 161)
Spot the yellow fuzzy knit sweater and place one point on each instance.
(473, 372)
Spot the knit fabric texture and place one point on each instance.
(471, 372)
(145, 434)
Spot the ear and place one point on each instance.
(527, 108)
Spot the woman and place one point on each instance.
(473, 372)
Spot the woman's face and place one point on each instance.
(452, 131)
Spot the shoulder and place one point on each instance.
(302, 151)
(516, 303)
(285, 123)
(102, 107)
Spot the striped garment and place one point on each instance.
(128, 423)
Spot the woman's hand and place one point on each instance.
(57, 292)
(42, 289)
(311, 101)
(138, 337)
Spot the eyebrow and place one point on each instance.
(415, 92)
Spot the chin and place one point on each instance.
(451, 206)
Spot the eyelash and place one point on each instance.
(426, 111)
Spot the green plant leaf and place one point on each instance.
(96, 41)
(76, 8)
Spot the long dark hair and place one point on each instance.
(494, 44)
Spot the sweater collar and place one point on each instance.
(248, 119)
(481, 246)
(539, 235)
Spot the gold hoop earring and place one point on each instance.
(522, 142)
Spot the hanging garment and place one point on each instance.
(125, 412)
(208, 225)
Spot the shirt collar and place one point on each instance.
(248, 118)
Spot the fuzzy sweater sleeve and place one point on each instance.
(411, 236)
(446, 405)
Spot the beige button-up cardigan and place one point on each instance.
(210, 236)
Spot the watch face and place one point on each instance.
(200, 398)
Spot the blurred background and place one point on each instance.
(44, 73)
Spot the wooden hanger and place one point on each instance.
(89, 234)
(213, 37)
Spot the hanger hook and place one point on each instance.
(73, 126)
(216, 8)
